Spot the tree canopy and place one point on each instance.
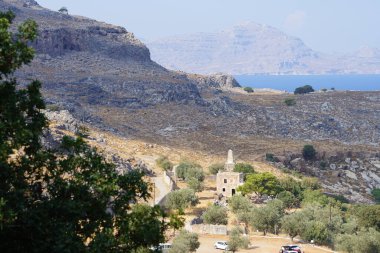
(67, 200)
(261, 183)
(304, 89)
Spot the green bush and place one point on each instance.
(164, 163)
(216, 215)
(309, 152)
(304, 89)
(290, 101)
(248, 89)
(270, 157)
(215, 168)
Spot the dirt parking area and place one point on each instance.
(258, 245)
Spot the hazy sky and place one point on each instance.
(324, 25)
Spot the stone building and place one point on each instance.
(227, 181)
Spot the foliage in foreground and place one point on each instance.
(185, 242)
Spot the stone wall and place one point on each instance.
(209, 229)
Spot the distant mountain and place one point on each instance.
(251, 48)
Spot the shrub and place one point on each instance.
(216, 215)
(248, 89)
(304, 89)
(290, 101)
(245, 168)
(215, 168)
(164, 163)
(270, 157)
(308, 152)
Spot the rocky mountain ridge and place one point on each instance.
(251, 48)
(104, 77)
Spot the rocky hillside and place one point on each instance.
(251, 48)
(104, 77)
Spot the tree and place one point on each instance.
(164, 163)
(63, 10)
(262, 183)
(236, 240)
(195, 184)
(239, 203)
(245, 168)
(185, 242)
(216, 215)
(183, 169)
(376, 195)
(368, 216)
(288, 199)
(268, 218)
(304, 89)
(314, 196)
(67, 200)
(308, 152)
(248, 89)
(362, 242)
(215, 168)
(181, 199)
(176, 221)
(293, 224)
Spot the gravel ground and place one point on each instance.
(258, 245)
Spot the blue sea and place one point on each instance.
(290, 82)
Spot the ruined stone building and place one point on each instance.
(227, 181)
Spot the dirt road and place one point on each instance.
(258, 245)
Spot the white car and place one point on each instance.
(221, 245)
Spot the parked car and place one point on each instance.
(162, 247)
(221, 245)
(290, 249)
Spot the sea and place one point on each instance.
(291, 82)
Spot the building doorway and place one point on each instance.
(233, 192)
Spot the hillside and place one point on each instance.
(251, 48)
(106, 78)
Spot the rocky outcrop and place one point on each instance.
(352, 175)
(219, 81)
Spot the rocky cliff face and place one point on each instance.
(251, 48)
(83, 62)
(350, 174)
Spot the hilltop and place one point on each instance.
(251, 48)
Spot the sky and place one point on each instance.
(330, 26)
